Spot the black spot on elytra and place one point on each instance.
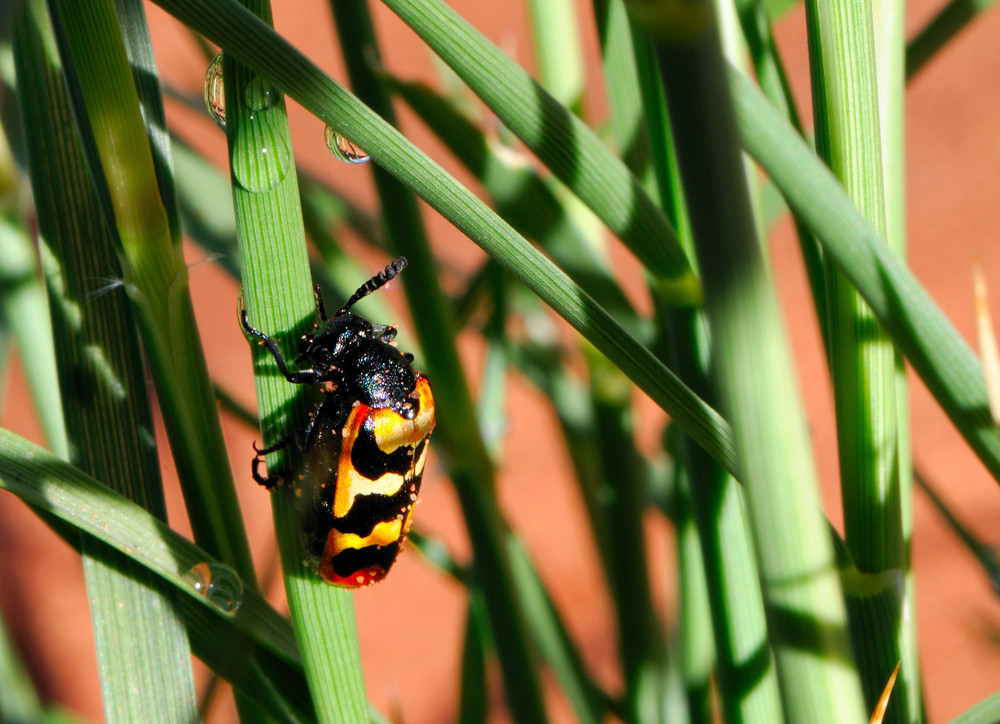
(352, 560)
(368, 510)
(371, 462)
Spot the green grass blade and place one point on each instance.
(941, 357)
(26, 315)
(942, 28)
(19, 701)
(558, 50)
(458, 431)
(724, 547)
(863, 362)
(260, 48)
(573, 153)
(142, 650)
(985, 712)
(279, 300)
(473, 705)
(154, 273)
(524, 200)
(54, 486)
(754, 379)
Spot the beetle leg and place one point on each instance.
(268, 481)
(300, 377)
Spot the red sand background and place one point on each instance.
(953, 116)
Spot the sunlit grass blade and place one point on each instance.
(457, 431)
(916, 324)
(154, 273)
(558, 49)
(718, 570)
(143, 657)
(985, 712)
(54, 486)
(862, 360)
(574, 153)
(260, 48)
(277, 289)
(754, 379)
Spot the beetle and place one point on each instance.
(364, 449)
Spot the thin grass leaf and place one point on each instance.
(988, 556)
(863, 363)
(143, 657)
(54, 486)
(916, 324)
(562, 142)
(754, 379)
(25, 314)
(19, 701)
(940, 30)
(522, 198)
(107, 108)
(279, 299)
(725, 563)
(260, 48)
(558, 50)
(985, 712)
(472, 470)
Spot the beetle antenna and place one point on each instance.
(379, 280)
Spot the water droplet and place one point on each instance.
(218, 583)
(260, 95)
(215, 92)
(343, 149)
(261, 153)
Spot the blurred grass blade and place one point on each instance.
(942, 28)
(987, 341)
(155, 276)
(143, 656)
(24, 310)
(916, 324)
(558, 51)
(985, 712)
(260, 48)
(589, 703)
(473, 701)
(523, 199)
(19, 700)
(987, 555)
(563, 143)
(753, 375)
(721, 557)
(42, 480)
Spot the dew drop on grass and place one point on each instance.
(261, 95)
(218, 583)
(343, 149)
(261, 153)
(215, 92)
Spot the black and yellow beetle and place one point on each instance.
(364, 449)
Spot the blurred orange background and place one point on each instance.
(953, 178)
